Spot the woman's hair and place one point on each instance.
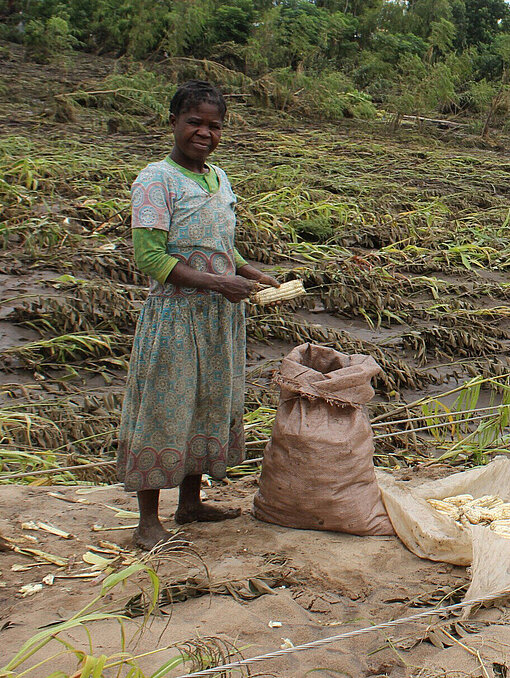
(194, 92)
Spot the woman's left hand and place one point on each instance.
(257, 276)
(264, 279)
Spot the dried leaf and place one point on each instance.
(102, 528)
(260, 586)
(48, 557)
(123, 513)
(439, 638)
(30, 589)
(100, 550)
(47, 527)
(461, 631)
(79, 575)
(24, 568)
(111, 545)
(97, 561)
(70, 500)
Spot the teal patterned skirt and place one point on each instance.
(183, 407)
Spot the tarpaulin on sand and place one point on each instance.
(433, 535)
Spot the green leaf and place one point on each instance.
(169, 665)
(45, 636)
(66, 278)
(88, 667)
(98, 669)
(117, 577)
(135, 672)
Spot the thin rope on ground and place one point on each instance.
(347, 634)
(450, 414)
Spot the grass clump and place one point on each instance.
(326, 96)
(45, 41)
(138, 92)
(114, 603)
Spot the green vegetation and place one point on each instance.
(404, 234)
(317, 57)
(193, 655)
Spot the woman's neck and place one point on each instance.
(190, 164)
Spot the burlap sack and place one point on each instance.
(318, 471)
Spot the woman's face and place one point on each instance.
(197, 132)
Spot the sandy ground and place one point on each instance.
(325, 583)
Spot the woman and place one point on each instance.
(183, 409)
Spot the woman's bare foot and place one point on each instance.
(147, 537)
(202, 513)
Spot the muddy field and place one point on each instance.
(402, 240)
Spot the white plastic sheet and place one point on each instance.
(433, 535)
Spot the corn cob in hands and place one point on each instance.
(287, 290)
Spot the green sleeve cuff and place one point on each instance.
(149, 245)
(238, 260)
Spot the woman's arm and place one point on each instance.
(238, 259)
(149, 245)
(151, 257)
(233, 287)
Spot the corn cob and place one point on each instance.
(489, 510)
(487, 501)
(463, 521)
(287, 290)
(477, 515)
(501, 512)
(445, 507)
(459, 500)
(501, 527)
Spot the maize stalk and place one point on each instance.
(287, 290)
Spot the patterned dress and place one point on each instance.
(183, 407)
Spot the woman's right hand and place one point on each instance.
(235, 288)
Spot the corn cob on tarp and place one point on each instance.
(434, 519)
(466, 510)
(461, 519)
